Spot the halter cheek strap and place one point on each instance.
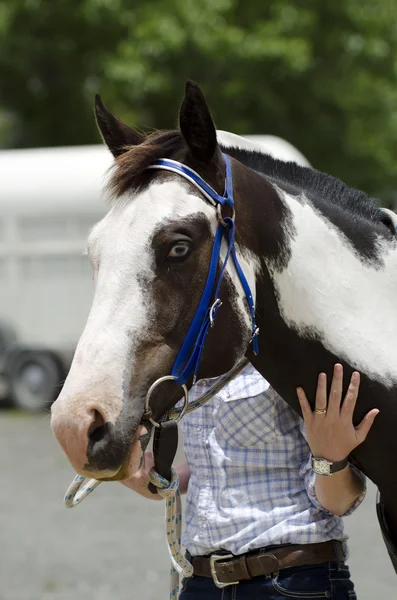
(188, 359)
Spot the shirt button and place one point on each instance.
(204, 382)
(199, 428)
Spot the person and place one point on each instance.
(258, 511)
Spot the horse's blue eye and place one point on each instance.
(179, 250)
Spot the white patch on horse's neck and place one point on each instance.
(232, 140)
(264, 144)
(348, 302)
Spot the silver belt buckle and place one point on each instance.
(214, 558)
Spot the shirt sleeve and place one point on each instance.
(309, 476)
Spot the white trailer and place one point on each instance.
(49, 200)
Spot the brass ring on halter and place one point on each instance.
(221, 220)
(320, 411)
(148, 413)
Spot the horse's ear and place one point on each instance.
(116, 135)
(196, 124)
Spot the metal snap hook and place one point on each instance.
(148, 413)
(213, 310)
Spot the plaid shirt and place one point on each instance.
(251, 482)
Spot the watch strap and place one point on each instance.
(339, 465)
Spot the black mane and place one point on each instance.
(296, 179)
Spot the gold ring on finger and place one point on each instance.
(320, 411)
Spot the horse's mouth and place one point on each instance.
(135, 457)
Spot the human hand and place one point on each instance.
(332, 435)
(140, 480)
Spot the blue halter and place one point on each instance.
(188, 359)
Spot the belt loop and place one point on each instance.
(340, 559)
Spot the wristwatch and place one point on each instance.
(321, 466)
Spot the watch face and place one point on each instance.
(321, 466)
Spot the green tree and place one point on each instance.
(320, 74)
(52, 60)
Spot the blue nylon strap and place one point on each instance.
(228, 181)
(186, 365)
(229, 235)
(191, 175)
(181, 370)
(188, 359)
(232, 249)
(250, 300)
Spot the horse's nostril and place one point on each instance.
(97, 429)
(106, 448)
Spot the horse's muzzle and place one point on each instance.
(100, 448)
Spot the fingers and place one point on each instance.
(350, 400)
(148, 461)
(366, 424)
(335, 395)
(332, 404)
(305, 406)
(321, 393)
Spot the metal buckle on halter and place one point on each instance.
(214, 558)
(219, 214)
(148, 411)
(255, 333)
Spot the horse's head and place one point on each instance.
(150, 258)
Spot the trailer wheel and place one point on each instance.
(35, 379)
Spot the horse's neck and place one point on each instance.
(326, 291)
(326, 304)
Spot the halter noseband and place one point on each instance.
(188, 359)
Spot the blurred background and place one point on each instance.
(320, 75)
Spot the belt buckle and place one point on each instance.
(214, 558)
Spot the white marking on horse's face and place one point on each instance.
(328, 288)
(123, 313)
(120, 252)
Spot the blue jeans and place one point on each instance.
(328, 580)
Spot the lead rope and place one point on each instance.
(77, 491)
(169, 490)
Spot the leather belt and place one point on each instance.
(228, 569)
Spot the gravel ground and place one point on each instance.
(113, 545)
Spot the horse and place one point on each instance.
(319, 261)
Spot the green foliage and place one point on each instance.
(320, 74)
